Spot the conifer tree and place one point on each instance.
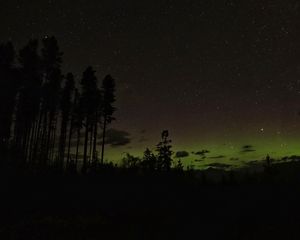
(108, 89)
(164, 152)
(8, 90)
(65, 106)
(88, 106)
(51, 65)
(28, 101)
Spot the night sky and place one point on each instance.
(221, 75)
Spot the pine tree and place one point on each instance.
(108, 88)
(72, 123)
(96, 124)
(65, 106)
(149, 161)
(51, 63)
(28, 101)
(8, 90)
(164, 152)
(88, 105)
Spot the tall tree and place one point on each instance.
(8, 91)
(72, 123)
(149, 162)
(51, 63)
(108, 89)
(96, 124)
(88, 105)
(77, 119)
(164, 152)
(28, 102)
(65, 106)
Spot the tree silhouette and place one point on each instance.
(77, 120)
(73, 121)
(88, 105)
(96, 123)
(178, 166)
(51, 65)
(149, 162)
(130, 162)
(164, 152)
(108, 88)
(31, 93)
(65, 105)
(28, 101)
(8, 90)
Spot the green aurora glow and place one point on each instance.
(230, 152)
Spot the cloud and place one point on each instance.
(219, 165)
(247, 146)
(217, 157)
(114, 138)
(247, 149)
(181, 154)
(202, 152)
(117, 138)
(198, 160)
(293, 158)
(234, 159)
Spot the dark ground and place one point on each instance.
(67, 207)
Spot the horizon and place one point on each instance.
(217, 75)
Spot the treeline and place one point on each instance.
(42, 110)
(161, 161)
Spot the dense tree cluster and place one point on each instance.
(42, 110)
(162, 161)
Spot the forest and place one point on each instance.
(44, 114)
(43, 111)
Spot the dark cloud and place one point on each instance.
(247, 146)
(114, 137)
(181, 154)
(293, 158)
(217, 157)
(198, 160)
(117, 138)
(234, 159)
(219, 165)
(247, 149)
(202, 152)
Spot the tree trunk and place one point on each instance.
(69, 142)
(86, 138)
(77, 146)
(37, 137)
(103, 140)
(43, 149)
(95, 139)
(49, 137)
(62, 140)
(91, 143)
(53, 139)
(31, 141)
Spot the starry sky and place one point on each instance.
(220, 75)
